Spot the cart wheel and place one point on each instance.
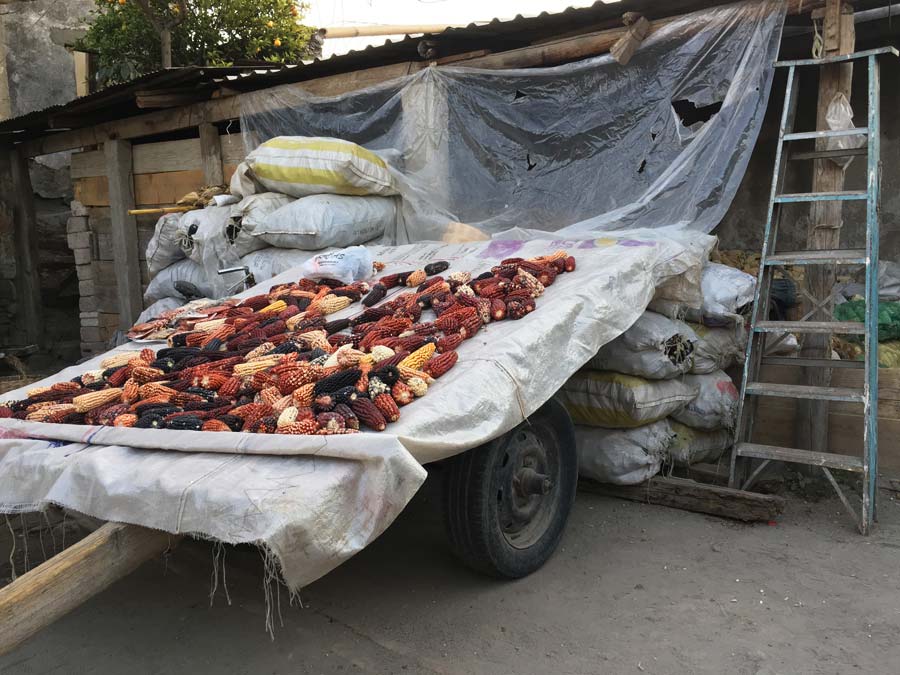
(506, 502)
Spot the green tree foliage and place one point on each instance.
(211, 33)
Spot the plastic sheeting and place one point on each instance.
(314, 501)
(587, 146)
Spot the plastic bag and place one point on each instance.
(725, 289)
(165, 245)
(348, 264)
(242, 183)
(319, 221)
(622, 457)
(618, 401)
(715, 406)
(269, 262)
(839, 116)
(692, 446)
(654, 347)
(163, 284)
(246, 216)
(205, 242)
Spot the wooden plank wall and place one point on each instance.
(163, 172)
(777, 417)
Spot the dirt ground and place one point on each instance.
(634, 589)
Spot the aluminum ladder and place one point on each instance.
(747, 453)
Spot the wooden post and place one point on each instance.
(28, 280)
(39, 597)
(124, 231)
(211, 153)
(825, 221)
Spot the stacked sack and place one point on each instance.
(655, 394)
(292, 198)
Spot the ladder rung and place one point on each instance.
(837, 59)
(827, 459)
(812, 363)
(806, 391)
(845, 195)
(827, 154)
(843, 256)
(826, 133)
(837, 327)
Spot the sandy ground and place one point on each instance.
(634, 589)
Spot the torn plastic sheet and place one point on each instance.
(586, 146)
(315, 501)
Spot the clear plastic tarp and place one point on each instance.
(590, 145)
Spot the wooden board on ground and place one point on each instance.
(689, 495)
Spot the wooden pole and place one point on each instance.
(38, 598)
(211, 154)
(825, 221)
(28, 280)
(124, 231)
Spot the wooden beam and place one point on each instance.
(124, 231)
(825, 220)
(38, 598)
(626, 46)
(28, 279)
(211, 154)
(689, 495)
(229, 107)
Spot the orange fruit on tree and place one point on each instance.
(270, 24)
(276, 42)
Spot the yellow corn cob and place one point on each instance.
(406, 373)
(287, 416)
(117, 360)
(260, 351)
(365, 362)
(418, 358)
(210, 325)
(274, 308)
(245, 369)
(291, 323)
(332, 303)
(95, 399)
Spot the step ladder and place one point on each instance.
(749, 459)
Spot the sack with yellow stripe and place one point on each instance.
(306, 165)
(617, 401)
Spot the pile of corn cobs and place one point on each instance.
(274, 363)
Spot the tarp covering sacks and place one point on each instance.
(314, 501)
(490, 147)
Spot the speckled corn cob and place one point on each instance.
(303, 395)
(125, 420)
(259, 351)
(304, 428)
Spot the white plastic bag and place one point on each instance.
(725, 289)
(165, 245)
(617, 401)
(158, 307)
(654, 347)
(622, 457)
(839, 116)
(346, 264)
(205, 242)
(242, 183)
(715, 347)
(319, 221)
(692, 446)
(163, 284)
(269, 262)
(715, 406)
(246, 216)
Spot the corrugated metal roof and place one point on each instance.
(120, 101)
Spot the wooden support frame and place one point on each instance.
(124, 231)
(41, 596)
(211, 154)
(28, 280)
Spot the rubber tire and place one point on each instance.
(470, 509)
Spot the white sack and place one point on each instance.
(346, 264)
(692, 446)
(306, 165)
(838, 117)
(654, 347)
(165, 244)
(163, 284)
(269, 262)
(888, 280)
(617, 401)
(725, 289)
(246, 216)
(205, 242)
(242, 183)
(622, 457)
(320, 221)
(716, 403)
(158, 307)
(715, 347)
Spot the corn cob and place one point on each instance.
(125, 420)
(316, 339)
(215, 425)
(269, 396)
(570, 264)
(351, 421)
(332, 303)
(387, 406)
(459, 278)
(368, 414)
(525, 280)
(144, 374)
(114, 361)
(273, 308)
(401, 393)
(417, 385)
(335, 432)
(152, 389)
(415, 278)
(41, 414)
(287, 416)
(331, 421)
(336, 326)
(440, 364)
(436, 267)
(95, 399)
(245, 369)
(303, 395)
(265, 425)
(282, 403)
(344, 378)
(469, 326)
(380, 353)
(450, 342)
(91, 376)
(417, 359)
(210, 325)
(304, 428)
(408, 373)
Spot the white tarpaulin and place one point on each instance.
(315, 501)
